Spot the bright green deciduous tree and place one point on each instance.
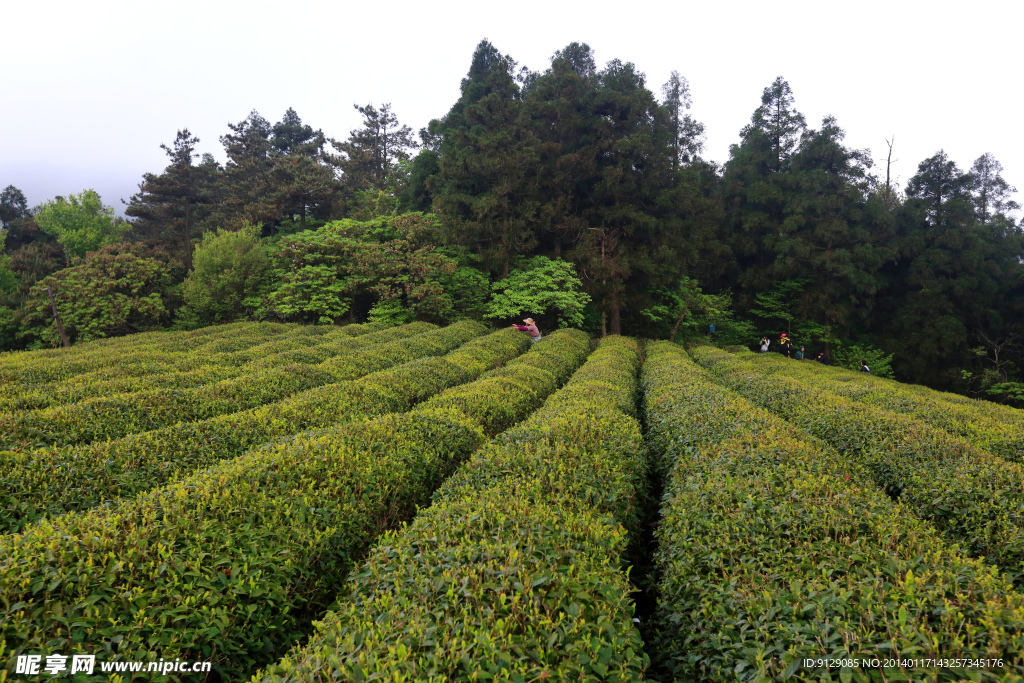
(850, 356)
(230, 270)
(686, 311)
(468, 289)
(391, 312)
(80, 223)
(323, 274)
(540, 286)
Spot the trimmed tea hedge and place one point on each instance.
(35, 367)
(982, 408)
(292, 348)
(993, 431)
(514, 572)
(53, 481)
(143, 340)
(975, 498)
(62, 393)
(772, 550)
(230, 564)
(112, 417)
(23, 369)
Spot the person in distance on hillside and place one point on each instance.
(764, 344)
(864, 367)
(800, 354)
(530, 328)
(787, 345)
(823, 358)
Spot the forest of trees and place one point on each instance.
(579, 191)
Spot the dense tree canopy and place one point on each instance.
(574, 188)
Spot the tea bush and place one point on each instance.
(993, 430)
(774, 548)
(975, 498)
(111, 417)
(231, 563)
(514, 573)
(48, 482)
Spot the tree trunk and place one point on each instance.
(616, 309)
(558, 247)
(56, 318)
(188, 235)
(888, 183)
(675, 328)
(604, 328)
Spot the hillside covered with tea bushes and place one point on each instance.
(417, 502)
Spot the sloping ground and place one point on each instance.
(47, 482)
(975, 498)
(514, 572)
(233, 562)
(469, 506)
(776, 549)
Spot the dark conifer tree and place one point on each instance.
(991, 192)
(633, 168)
(416, 196)
(250, 190)
(686, 135)
(169, 208)
(13, 206)
(827, 236)
(304, 180)
(290, 136)
(952, 277)
(757, 187)
(562, 102)
(486, 166)
(371, 153)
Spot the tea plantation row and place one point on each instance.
(442, 504)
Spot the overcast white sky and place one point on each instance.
(91, 89)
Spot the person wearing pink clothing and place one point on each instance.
(530, 328)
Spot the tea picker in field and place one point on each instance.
(864, 367)
(530, 328)
(787, 346)
(765, 342)
(800, 354)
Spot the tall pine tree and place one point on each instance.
(250, 190)
(946, 284)
(484, 187)
(757, 187)
(372, 152)
(826, 237)
(170, 207)
(305, 181)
